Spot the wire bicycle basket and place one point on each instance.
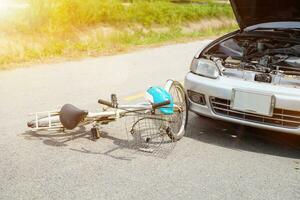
(150, 133)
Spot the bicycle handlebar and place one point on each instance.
(154, 106)
(158, 105)
(104, 102)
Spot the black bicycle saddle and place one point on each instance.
(70, 116)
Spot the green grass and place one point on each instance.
(58, 16)
(71, 28)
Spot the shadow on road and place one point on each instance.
(206, 130)
(243, 138)
(57, 138)
(63, 139)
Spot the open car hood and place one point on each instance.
(253, 12)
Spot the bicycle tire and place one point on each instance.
(179, 118)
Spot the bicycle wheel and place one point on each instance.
(178, 120)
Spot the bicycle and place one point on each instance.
(154, 119)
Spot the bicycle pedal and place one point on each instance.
(95, 133)
(147, 150)
(148, 140)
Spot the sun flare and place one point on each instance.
(7, 7)
(4, 4)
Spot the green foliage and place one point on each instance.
(59, 16)
(72, 28)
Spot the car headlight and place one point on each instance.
(205, 67)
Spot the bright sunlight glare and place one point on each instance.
(7, 7)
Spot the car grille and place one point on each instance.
(281, 117)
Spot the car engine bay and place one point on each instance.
(256, 57)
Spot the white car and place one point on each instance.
(252, 76)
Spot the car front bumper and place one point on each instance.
(218, 93)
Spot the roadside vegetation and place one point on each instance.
(74, 28)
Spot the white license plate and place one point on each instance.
(252, 102)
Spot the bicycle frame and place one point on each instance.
(164, 114)
(50, 120)
(92, 117)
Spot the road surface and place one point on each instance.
(215, 160)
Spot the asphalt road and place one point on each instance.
(215, 160)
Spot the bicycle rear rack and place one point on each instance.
(46, 120)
